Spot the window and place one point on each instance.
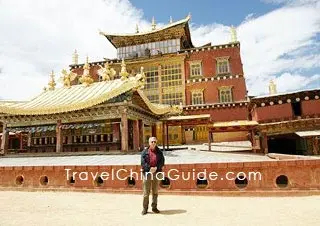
(152, 84)
(296, 107)
(195, 69)
(197, 97)
(223, 65)
(171, 83)
(225, 94)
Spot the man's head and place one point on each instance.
(152, 142)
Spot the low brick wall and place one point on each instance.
(281, 175)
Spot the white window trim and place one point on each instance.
(197, 91)
(222, 59)
(225, 88)
(195, 62)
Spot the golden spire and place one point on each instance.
(51, 83)
(137, 28)
(86, 78)
(189, 15)
(123, 73)
(272, 87)
(171, 21)
(233, 34)
(153, 24)
(75, 57)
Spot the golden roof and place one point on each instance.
(174, 30)
(79, 97)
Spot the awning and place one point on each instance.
(235, 123)
(188, 117)
(310, 133)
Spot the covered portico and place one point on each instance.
(108, 115)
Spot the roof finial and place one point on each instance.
(123, 73)
(233, 34)
(75, 57)
(51, 83)
(171, 21)
(272, 87)
(189, 15)
(137, 28)
(153, 25)
(86, 78)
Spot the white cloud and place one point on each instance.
(38, 36)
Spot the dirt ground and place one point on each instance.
(75, 208)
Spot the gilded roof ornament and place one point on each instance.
(106, 72)
(123, 73)
(51, 83)
(142, 79)
(137, 28)
(171, 21)
(233, 34)
(75, 57)
(86, 78)
(67, 78)
(153, 24)
(272, 87)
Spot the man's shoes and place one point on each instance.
(155, 210)
(144, 212)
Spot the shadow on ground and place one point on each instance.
(172, 212)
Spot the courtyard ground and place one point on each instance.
(77, 208)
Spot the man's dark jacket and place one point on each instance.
(145, 160)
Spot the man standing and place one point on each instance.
(152, 161)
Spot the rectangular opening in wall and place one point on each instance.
(296, 108)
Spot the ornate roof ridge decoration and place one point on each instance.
(79, 97)
(123, 73)
(107, 73)
(117, 40)
(86, 78)
(296, 92)
(67, 77)
(51, 84)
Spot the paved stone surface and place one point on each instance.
(75, 208)
(172, 157)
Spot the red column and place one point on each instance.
(59, 144)
(124, 131)
(265, 143)
(4, 140)
(153, 130)
(21, 143)
(116, 132)
(136, 135)
(164, 135)
(141, 133)
(209, 140)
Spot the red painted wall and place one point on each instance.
(301, 174)
(211, 91)
(223, 113)
(278, 111)
(310, 107)
(208, 58)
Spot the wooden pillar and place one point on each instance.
(124, 131)
(29, 139)
(115, 132)
(252, 140)
(136, 135)
(4, 140)
(167, 134)
(164, 135)
(315, 144)
(153, 130)
(183, 135)
(209, 140)
(265, 143)
(59, 144)
(21, 141)
(141, 133)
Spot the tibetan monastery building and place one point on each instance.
(160, 84)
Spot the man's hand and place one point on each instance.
(153, 169)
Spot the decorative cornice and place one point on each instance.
(215, 105)
(213, 78)
(210, 48)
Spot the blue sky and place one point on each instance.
(280, 39)
(230, 12)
